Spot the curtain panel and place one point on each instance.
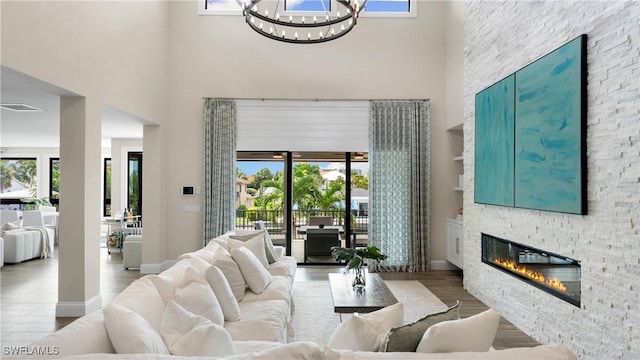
(218, 194)
(399, 183)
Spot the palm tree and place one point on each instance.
(332, 198)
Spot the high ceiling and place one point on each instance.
(42, 128)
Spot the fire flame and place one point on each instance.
(531, 274)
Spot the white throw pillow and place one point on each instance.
(231, 271)
(475, 333)
(366, 332)
(196, 296)
(216, 279)
(255, 244)
(269, 249)
(130, 333)
(355, 334)
(188, 334)
(255, 275)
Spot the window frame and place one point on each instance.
(413, 11)
(52, 200)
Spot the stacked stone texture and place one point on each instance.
(500, 38)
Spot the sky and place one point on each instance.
(321, 5)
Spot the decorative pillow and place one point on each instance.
(366, 332)
(188, 334)
(255, 244)
(269, 249)
(130, 333)
(196, 296)
(231, 271)
(9, 226)
(224, 294)
(355, 334)
(406, 338)
(255, 275)
(477, 331)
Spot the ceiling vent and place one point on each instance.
(19, 107)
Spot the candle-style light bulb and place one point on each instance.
(260, 26)
(315, 19)
(338, 14)
(303, 19)
(253, 20)
(320, 34)
(290, 18)
(277, 16)
(266, 12)
(309, 36)
(333, 31)
(271, 30)
(283, 33)
(342, 27)
(296, 35)
(327, 17)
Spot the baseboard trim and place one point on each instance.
(78, 309)
(156, 268)
(442, 265)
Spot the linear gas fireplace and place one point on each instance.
(555, 274)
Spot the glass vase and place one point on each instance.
(359, 279)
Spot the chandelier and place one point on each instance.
(300, 29)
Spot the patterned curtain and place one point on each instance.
(218, 203)
(399, 182)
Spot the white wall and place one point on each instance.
(222, 57)
(500, 38)
(157, 60)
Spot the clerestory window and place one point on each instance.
(374, 8)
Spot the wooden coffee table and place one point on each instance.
(375, 296)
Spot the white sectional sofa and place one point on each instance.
(256, 309)
(27, 243)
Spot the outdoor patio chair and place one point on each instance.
(320, 220)
(320, 241)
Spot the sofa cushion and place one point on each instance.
(406, 338)
(231, 271)
(130, 333)
(280, 288)
(255, 275)
(221, 288)
(188, 334)
(254, 244)
(355, 334)
(478, 332)
(285, 266)
(261, 320)
(366, 332)
(269, 249)
(196, 296)
(151, 308)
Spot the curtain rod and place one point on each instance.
(284, 99)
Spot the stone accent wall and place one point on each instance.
(500, 38)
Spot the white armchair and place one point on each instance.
(132, 252)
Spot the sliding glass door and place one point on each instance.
(293, 192)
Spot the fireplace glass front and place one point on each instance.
(556, 274)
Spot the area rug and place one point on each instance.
(313, 318)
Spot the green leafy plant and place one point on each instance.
(34, 202)
(354, 257)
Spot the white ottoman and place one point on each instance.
(132, 251)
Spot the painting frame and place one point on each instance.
(550, 131)
(494, 145)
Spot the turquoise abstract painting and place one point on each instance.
(494, 148)
(550, 118)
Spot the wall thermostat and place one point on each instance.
(188, 191)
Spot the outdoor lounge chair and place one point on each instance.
(320, 241)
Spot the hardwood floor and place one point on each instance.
(29, 293)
